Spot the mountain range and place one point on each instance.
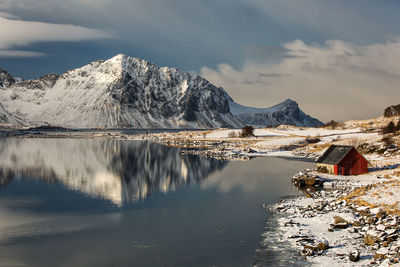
(130, 92)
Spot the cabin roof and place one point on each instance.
(334, 154)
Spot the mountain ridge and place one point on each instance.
(121, 92)
(286, 112)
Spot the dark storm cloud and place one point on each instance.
(231, 38)
(192, 34)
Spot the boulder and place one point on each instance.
(381, 227)
(370, 239)
(323, 245)
(342, 225)
(354, 256)
(381, 253)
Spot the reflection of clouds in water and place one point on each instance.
(118, 171)
(234, 176)
(252, 175)
(247, 176)
(11, 218)
(18, 227)
(17, 223)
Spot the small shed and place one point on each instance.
(342, 160)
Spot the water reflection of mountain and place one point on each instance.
(120, 171)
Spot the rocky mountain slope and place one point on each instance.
(5, 78)
(287, 112)
(8, 119)
(130, 92)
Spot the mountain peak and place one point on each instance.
(286, 112)
(128, 63)
(117, 59)
(288, 101)
(6, 79)
(120, 56)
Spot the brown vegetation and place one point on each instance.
(390, 128)
(247, 131)
(392, 111)
(232, 134)
(332, 124)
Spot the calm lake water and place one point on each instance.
(74, 202)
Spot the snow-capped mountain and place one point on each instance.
(130, 92)
(287, 112)
(120, 92)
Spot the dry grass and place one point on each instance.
(318, 148)
(355, 197)
(352, 142)
(370, 123)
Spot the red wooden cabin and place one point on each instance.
(343, 160)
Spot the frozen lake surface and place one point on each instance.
(77, 202)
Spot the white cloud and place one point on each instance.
(7, 15)
(337, 80)
(19, 33)
(20, 53)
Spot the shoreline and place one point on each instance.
(327, 226)
(331, 224)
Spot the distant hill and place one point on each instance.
(287, 112)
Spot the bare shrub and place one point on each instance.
(390, 128)
(232, 134)
(332, 124)
(312, 139)
(247, 131)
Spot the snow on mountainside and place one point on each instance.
(130, 92)
(120, 92)
(287, 112)
(8, 119)
(4, 116)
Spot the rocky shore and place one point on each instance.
(331, 226)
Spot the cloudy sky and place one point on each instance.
(338, 59)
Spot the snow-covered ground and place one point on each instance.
(306, 222)
(283, 141)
